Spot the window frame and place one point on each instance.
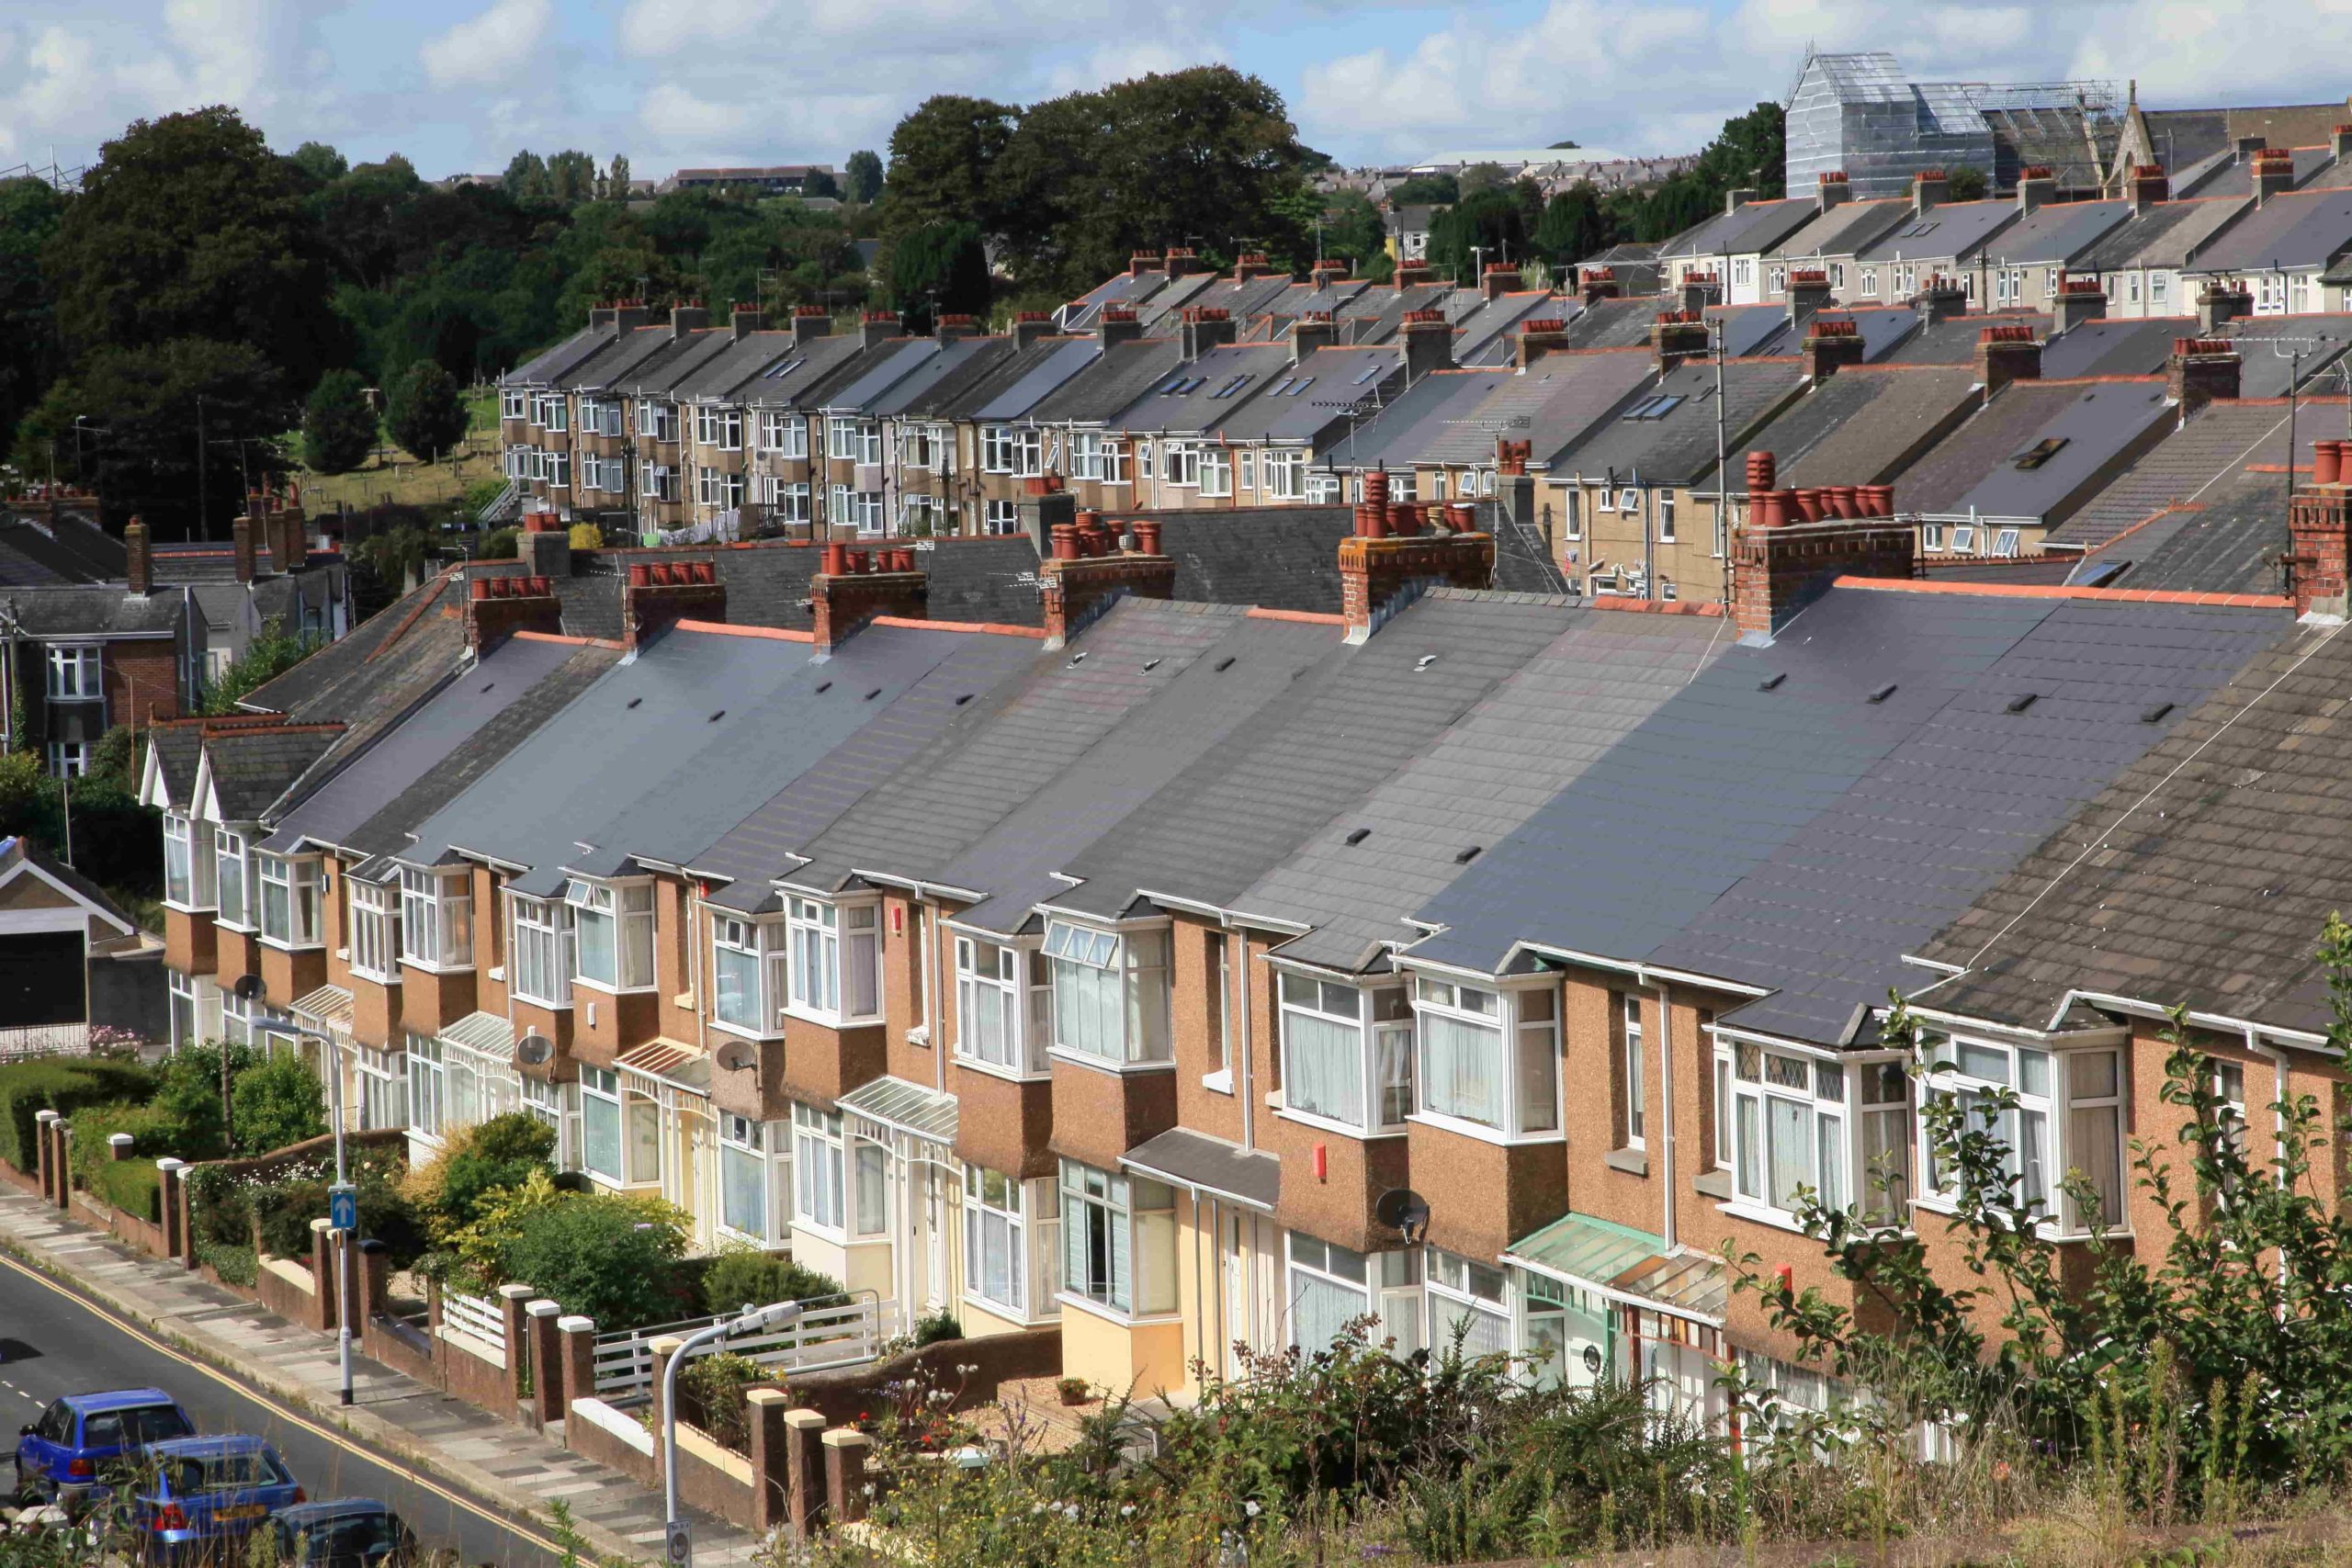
(1145, 988)
(765, 942)
(1384, 1099)
(76, 672)
(192, 847)
(293, 883)
(373, 937)
(1019, 999)
(631, 931)
(1138, 1274)
(233, 848)
(447, 918)
(542, 938)
(2056, 1103)
(820, 936)
(1027, 1214)
(1437, 999)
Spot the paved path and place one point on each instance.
(91, 1313)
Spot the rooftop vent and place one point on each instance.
(1222, 665)
(2019, 703)
(1882, 693)
(2154, 713)
(1466, 856)
(1359, 836)
(1772, 682)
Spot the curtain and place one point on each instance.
(739, 988)
(1326, 1075)
(1462, 1069)
(1087, 1010)
(1320, 1308)
(600, 1136)
(1792, 1154)
(2095, 1132)
(596, 958)
(742, 1181)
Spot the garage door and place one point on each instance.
(41, 978)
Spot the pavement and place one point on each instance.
(80, 1311)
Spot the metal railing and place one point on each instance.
(834, 1331)
(44, 1039)
(485, 1320)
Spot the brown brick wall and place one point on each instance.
(190, 945)
(142, 680)
(1097, 1116)
(238, 952)
(376, 1013)
(756, 1091)
(1003, 1124)
(822, 1064)
(285, 976)
(1198, 1107)
(1482, 1196)
(431, 1001)
(606, 1023)
(677, 927)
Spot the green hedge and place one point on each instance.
(134, 1186)
(62, 1084)
(153, 1133)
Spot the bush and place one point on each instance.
(149, 1128)
(587, 537)
(284, 1212)
(188, 1095)
(338, 427)
(63, 1084)
(498, 1156)
(500, 544)
(938, 1326)
(428, 413)
(590, 1255)
(276, 1102)
(480, 493)
(714, 1393)
(134, 1186)
(741, 1277)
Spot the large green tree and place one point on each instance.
(1478, 230)
(863, 175)
(426, 414)
(940, 158)
(1574, 226)
(941, 268)
(338, 425)
(30, 212)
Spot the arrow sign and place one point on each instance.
(343, 1206)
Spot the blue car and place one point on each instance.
(67, 1456)
(346, 1532)
(201, 1497)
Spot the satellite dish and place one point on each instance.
(247, 988)
(737, 1056)
(1404, 1211)
(534, 1049)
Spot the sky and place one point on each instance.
(458, 85)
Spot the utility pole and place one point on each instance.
(203, 505)
(1723, 473)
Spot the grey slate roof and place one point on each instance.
(1311, 402)
(786, 383)
(2099, 422)
(1211, 1165)
(2213, 445)
(2297, 230)
(2054, 234)
(1863, 425)
(2201, 876)
(1559, 398)
(1679, 448)
(306, 689)
(1550, 719)
(1843, 231)
(251, 768)
(2265, 365)
(1622, 322)
(1284, 557)
(977, 362)
(989, 579)
(1108, 382)
(2231, 542)
(98, 610)
(1415, 420)
(1758, 226)
(2230, 177)
(544, 366)
(177, 747)
(1952, 341)
(2163, 234)
(1038, 373)
(718, 378)
(617, 361)
(1954, 231)
(1198, 394)
(1487, 335)
(891, 363)
(2132, 347)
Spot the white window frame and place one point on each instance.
(513, 403)
(2065, 1094)
(1525, 1026)
(784, 434)
(290, 913)
(841, 1182)
(745, 1160)
(1134, 1273)
(657, 420)
(437, 924)
(1020, 1222)
(836, 959)
(76, 673)
(1130, 962)
(541, 939)
(1830, 1108)
(601, 1096)
(382, 1079)
(1378, 1066)
(190, 869)
(623, 910)
(374, 938)
(1012, 985)
(1216, 470)
(1000, 517)
(1665, 518)
(428, 1086)
(740, 944)
(1181, 467)
(1385, 1286)
(1633, 1069)
(1461, 1288)
(1283, 471)
(239, 899)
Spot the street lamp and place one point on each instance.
(753, 1321)
(248, 986)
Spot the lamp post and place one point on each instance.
(752, 1320)
(248, 986)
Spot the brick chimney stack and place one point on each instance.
(1028, 326)
(2007, 354)
(1736, 199)
(1142, 263)
(1927, 190)
(955, 324)
(2274, 172)
(1942, 299)
(1678, 336)
(1598, 283)
(139, 556)
(1206, 327)
(1700, 290)
(1498, 279)
(745, 320)
(1118, 325)
(2148, 186)
(1425, 338)
(2036, 187)
(629, 315)
(498, 606)
(879, 326)
(2200, 371)
(1832, 342)
(660, 594)
(1808, 291)
(1251, 264)
(544, 546)
(687, 316)
(1311, 331)
(2319, 531)
(1328, 273)
(1180, 261)
(1415, 274)
(2079, 300)
(1833, 189)
(1388, 562)
(1540, 335)
(2223, 300)
(240, 537)
(1798, 542)
(810, 322)
(1086, 573)
(854, 586)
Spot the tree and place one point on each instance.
(1426, 190)
(864, 174)
(940, 268)
(1352, 227)
(1572, 226)
(1563, 146)
(428, 415)
(571, 177)
(1478, 177)
(525, 179)
(940, 157)
(275, 1102)
(30, 212)
(272, 651)
(817, 183)
(320, 162)
(609, 1259)
(1964, 184)
(617, 183)
(1485, 228)
(338, 427)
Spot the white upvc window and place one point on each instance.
(602, 1149)
(1838, 1129)
(289, 900)
(1490, 1057)
(747, 961)
(657, 420)
(381, 1078)
(836, 959)
(789, 500)
(1087, 450)
(1012, 1244)
(2068, 1118)
(74, 672)
(850, 439)
(1118, 1240)
(1471, 1299)
(784, 434)
(375, 932)
(1248, 468)
(610, 419)
(751, 1178)
(513, 403)
(437, 919)
(1183, 466)
(656, 481)
(1000, 517)
(1869, 282)
(1776, 279)
(2159, 289)
(232, 860)
(1331, 1286)
(544, 1103)
(613, 930)
(190, 868)
(1144, 460)
(841, 1183)
(1931, 536)
(1003, 1005)
(427, 1085)
(719, 427)
(1215, 470)
(1632, 1070)
(1110, 992)
(996, 448)
(1328, 1071)
(1572, 512)
(924, 447)
(717, 488)
(556, 469)
(1665, 518)
(1284, 470)
(543, 950)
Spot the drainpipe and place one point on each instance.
(1665, 1099)
(2278, 1113)
(1247, 1080)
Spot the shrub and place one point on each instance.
(338, 427)
(92, 1124)
(938, 1326)
(63, 1084)
(587, 537)
(427, 414)
(498, 1156)
(134, 1186)
(714, 1393)
(188, 1092)
(591, 1256)
(276, 1102)
(741, 1277)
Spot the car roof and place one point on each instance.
(206, 1448)
(118, 1399)
(331, 1508)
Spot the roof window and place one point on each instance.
(2040, 452)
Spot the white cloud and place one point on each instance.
(488, 48)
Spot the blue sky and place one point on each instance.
(460, 84)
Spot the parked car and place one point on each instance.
(345, 1532)
(201, 1497)
(66, 1455)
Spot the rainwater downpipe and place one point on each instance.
(1244, 1078)
(2277, 1114)
(1666, 1107)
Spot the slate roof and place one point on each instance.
(1211, 1165)
(1283, 557)
(1547, 721)
(1679, 448)
(544, 366)
(2161, 235)
(1976, 465)
(1863, 425)
(2214, 444)
(2115, 347)
(616, 363)
(1843, 231)
(974, 362)
(2295, 231)
(251, 768)
(1756, 227)
(2263, 370)
(1484, 335)
(2200, 876)
(721, 377)
(1952, 341)
(99, 610)
(177, 747)
(1414, 420)
(786, 383)
(2230, 543)
(1954, 231)
(307, 689)
(982, 579)
(1622, 322)
(2056, 232)
(1197, 394)
(1559, 398)
(1312, 400)
(1108, 382)
(888, 363)
(2228, 177)
(1028, 381)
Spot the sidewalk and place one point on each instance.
(499, 1462)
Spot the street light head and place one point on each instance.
(774, 1316)
(247, 988)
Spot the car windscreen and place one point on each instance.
(144, 1424)
(226, 1472)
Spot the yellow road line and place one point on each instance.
(287, 1411)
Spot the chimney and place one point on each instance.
(1206, 327)
(599, 316)
(1086, 574)
(1249, 265)
(282, 532)
(1598, 283)
(1700, 290)
(240, 536)
(1780, 563)
(879, 326)
(1180, 261)
(1808, 291)
(2201, 369)
(1311, 331)
(2148, 186)
(1927, 189)
(1141, 263)
(2036, 187)
(2274, 171)
(1833, 190)
(658, 594)
(1119, 325)
(2319, 531)
(1498, 279)
(1041, 509)
(2007, 354)
(2339, 143)
(498, 606)
(745, 320)
(854, 586)
(139, 556)
(1425, 338)
(1831, 342)
(1382, 572)
(1328, 273)
(1028, 326)
(1942, 299)
(629, 315)
(2079, 300)
(2223, 301)
(810, 322)
(1413, 275)
(687, 317)
(1540, 335)
(956, 324)
(1676, 337)
(2247, 146)
(1736, 199)
(544, 546)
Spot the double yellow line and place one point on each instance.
(316, 1428)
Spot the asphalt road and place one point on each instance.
(55, 1342)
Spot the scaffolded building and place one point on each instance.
(1859, 114)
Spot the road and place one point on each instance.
(55, 1342)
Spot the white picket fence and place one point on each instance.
(472, 1315)
(44, 1039)
(838, 1331)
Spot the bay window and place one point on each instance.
(374, 941)
(231, 882)
(1285, 474)
(1328, 1071)
(289, 900)
(189, 866)
(1011, 1243)
(437, 919)
(748, 962)
(783, 433)
(543, 950)
(613, 927)
(600, 1123)
(1095, 454)
(1788, 1125)
(840, 1182)
(2068, 1118)
(1490, 1057)
(849, 439)
(1467, 1298)
(1118, 1240)
(722, 428)
(382, 1082)
(1003, 998)
(1215, 470)
(427, 1085)
(836, 958)
(1110, 992)
(744, 1178)
(1329, 1286)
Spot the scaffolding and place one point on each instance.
(1859, 114)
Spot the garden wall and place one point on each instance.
(853, 1396)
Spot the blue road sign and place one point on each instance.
(342, 1207)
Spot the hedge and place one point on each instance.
(153, 1132)
(134, 1186)
(62, 1084)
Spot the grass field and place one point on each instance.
(394, 476)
